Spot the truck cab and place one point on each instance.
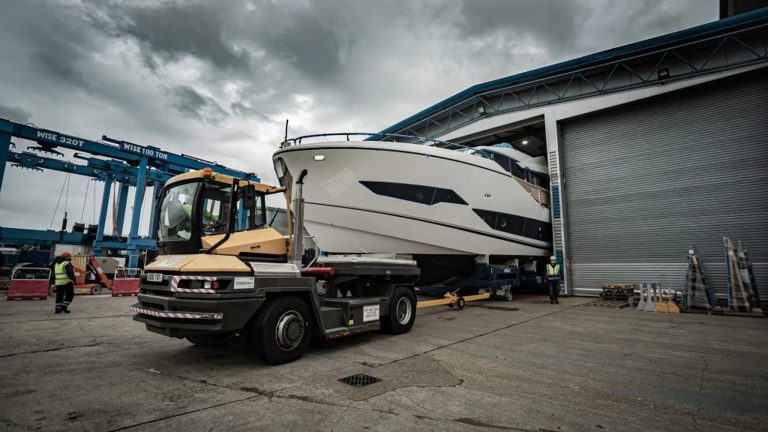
(225, 274)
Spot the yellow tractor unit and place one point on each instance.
(224, 274)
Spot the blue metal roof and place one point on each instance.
(683, 36)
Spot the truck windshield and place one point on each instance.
(215, 212)
(176, 213)
(192, 210)
(249, 211)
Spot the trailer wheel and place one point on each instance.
(507, 296)
(96, 290)
(282, 330)
(402, 312)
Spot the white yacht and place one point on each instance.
(442, 203)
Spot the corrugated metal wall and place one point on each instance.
(645, 180)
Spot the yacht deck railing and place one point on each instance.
(392, 137)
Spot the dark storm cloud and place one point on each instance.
(245, 109)
(638, 23)
(13, 113)
(172, 30)
(57, 44)
(307, 44)
(554, 21)
(189, 101)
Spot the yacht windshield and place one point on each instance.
(475, 152)
(176, 213)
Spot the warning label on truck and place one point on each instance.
(244, 282)
(370, 313)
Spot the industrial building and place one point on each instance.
(653, 147)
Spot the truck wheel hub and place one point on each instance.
(403, 310)
(289, 331)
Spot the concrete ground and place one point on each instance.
(565, 367)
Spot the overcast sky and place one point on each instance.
(218, 79)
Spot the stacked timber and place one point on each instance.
(615, 295)
(618, 291)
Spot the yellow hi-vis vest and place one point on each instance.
(553, 271)
(61, 273)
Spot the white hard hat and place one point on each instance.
(552, 258)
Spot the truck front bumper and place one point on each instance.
(182, 317)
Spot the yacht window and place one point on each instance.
(517, 225)
(428, 195)
(509, 165)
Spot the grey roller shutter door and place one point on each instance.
(645, 180)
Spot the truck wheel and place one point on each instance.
(402, 312)
(282, 330)
(207, 340)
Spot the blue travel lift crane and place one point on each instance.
(126, 163)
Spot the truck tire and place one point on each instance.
(402, 312)
(282, 330)
(208, 340)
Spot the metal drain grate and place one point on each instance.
(359, 380)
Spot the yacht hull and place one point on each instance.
(384, 197)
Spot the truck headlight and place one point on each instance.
(203, 284)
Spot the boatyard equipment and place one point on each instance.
(672, 306)
(658, 301)
(126, 163)
(29, 283)
(646, 297)
(696, 292)
(127, 282)
(742, 294)
(85, 266)
(225, 273)
(746, 264)
(452, 299)
(488, 282)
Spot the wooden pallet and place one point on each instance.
(618, 291)
(615, 285)
(614, 304)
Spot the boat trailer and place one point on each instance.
(489, 282)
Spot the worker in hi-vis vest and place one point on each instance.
(64, 278)
(553, 279)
